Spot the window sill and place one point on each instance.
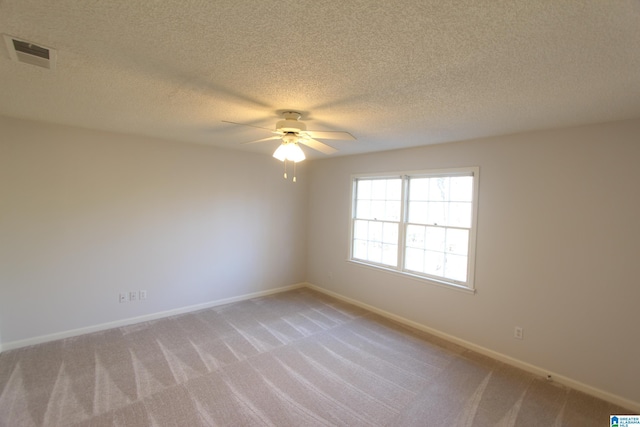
(422, 279)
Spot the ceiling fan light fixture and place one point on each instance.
(289, 151)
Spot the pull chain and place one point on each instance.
(285, 170)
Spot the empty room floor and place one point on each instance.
(297, 358)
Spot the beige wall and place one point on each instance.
(557, 249)
(85, 215)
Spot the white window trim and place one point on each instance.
(469, 286)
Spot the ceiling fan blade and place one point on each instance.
(330, 135)
(269, 138)
(251, 126)
(317, 145)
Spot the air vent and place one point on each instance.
(30, 53)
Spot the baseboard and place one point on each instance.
(536, 370)
(132, 320)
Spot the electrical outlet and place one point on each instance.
(143, 295)
(518, 333)
(122, 297)
(133, 296)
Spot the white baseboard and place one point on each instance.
(132, 320)
(536, 370)
(577, 385)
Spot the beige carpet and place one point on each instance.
(297, 358)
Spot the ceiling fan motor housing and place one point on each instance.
(290, 123)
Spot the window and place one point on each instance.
(419, 223)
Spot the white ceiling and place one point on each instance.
(395, 73)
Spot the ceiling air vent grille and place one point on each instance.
(30, 53)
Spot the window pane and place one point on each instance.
(378, 209)
(390, 254)
(394, 189)
(435, 239)
(375, 231)
(382, 210)
(418, 212)
(456, 267)
(374, 252)
(439, 189)
(378, 199)
(390, 233)
(457, 241)
(361, 230)
(434, 263)
(379, 189)
(461, 189)
(363, 209)
(414, 259)
(364, 189)
(459, 214)
(437, 213)
(415, 236)
(360, 249)
(418, 188)
(368, 242)
(392, 211)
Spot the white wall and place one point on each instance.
(85, 215)
(557, 249)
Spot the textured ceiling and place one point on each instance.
(393, 73)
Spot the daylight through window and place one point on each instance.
(419, 223)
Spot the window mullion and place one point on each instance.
(402, 226)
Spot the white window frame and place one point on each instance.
(473, 171)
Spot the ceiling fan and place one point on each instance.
(293, 132)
